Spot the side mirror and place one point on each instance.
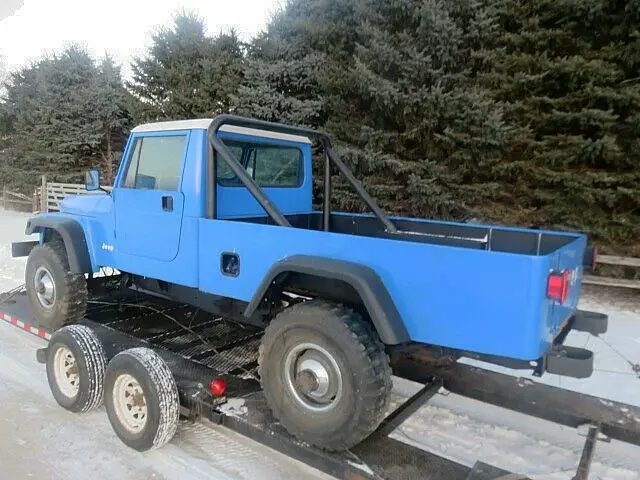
(92, 180)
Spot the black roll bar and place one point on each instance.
(326, 200)
(368, 199)
(272, 210)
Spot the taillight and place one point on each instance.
(558, 286)
(218, 387)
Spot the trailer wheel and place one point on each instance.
(76, 365)
(57, 296)
(141, 398)
(325, 374)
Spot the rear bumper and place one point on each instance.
(572, 361)
(590, 322)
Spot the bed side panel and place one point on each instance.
(477, 300)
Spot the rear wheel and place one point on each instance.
(56, 295)
(76, 364)
(141, 398)
(325, 374)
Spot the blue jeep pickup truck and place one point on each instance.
(218, 213)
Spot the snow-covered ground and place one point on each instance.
(40, 440)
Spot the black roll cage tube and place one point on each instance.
(272, 210)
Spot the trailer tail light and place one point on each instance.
(558, 286)
(218, 387)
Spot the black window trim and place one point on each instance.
(246, 147)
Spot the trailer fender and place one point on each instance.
(366, 282)
(72, 235)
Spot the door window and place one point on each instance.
(156, 163)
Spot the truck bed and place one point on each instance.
(479, 237)
(474, 288)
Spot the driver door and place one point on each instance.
(148, 202)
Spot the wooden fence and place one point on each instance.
(52, 193)
(614, 282)
(18, 201)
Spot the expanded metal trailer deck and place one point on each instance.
(198, 347)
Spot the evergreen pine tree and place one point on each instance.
(569, 73)
(387, 79)
(60, 117)
(187, 73)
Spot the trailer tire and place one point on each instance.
(76, 364)
(63, 298)
(138, 382)
(325, 374)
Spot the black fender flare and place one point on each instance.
(73, 237)
(366, 282)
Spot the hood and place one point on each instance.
(86, 205)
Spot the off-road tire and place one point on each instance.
(90, 362)
(363, 364)
(70, 288)
(160, 394)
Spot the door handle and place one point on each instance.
(167, 203)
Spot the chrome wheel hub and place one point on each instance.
(44, 287)
(313, 377)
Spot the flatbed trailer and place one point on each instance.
(614, 420)
(198, 347)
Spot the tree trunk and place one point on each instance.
(108, 168)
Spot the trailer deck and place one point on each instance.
(198, 346)
(213, 347)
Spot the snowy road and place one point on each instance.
(40, 440)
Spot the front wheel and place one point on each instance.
(56, 295)
(325, 374)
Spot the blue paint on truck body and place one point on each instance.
(490, 302)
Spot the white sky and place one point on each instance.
(119, 27)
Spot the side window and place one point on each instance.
(156, 163)
(276, 166)
(130, 179)
(269, 166)
(224, 172)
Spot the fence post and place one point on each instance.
(44, 205)
(4, 198)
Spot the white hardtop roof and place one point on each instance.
(204, 123)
